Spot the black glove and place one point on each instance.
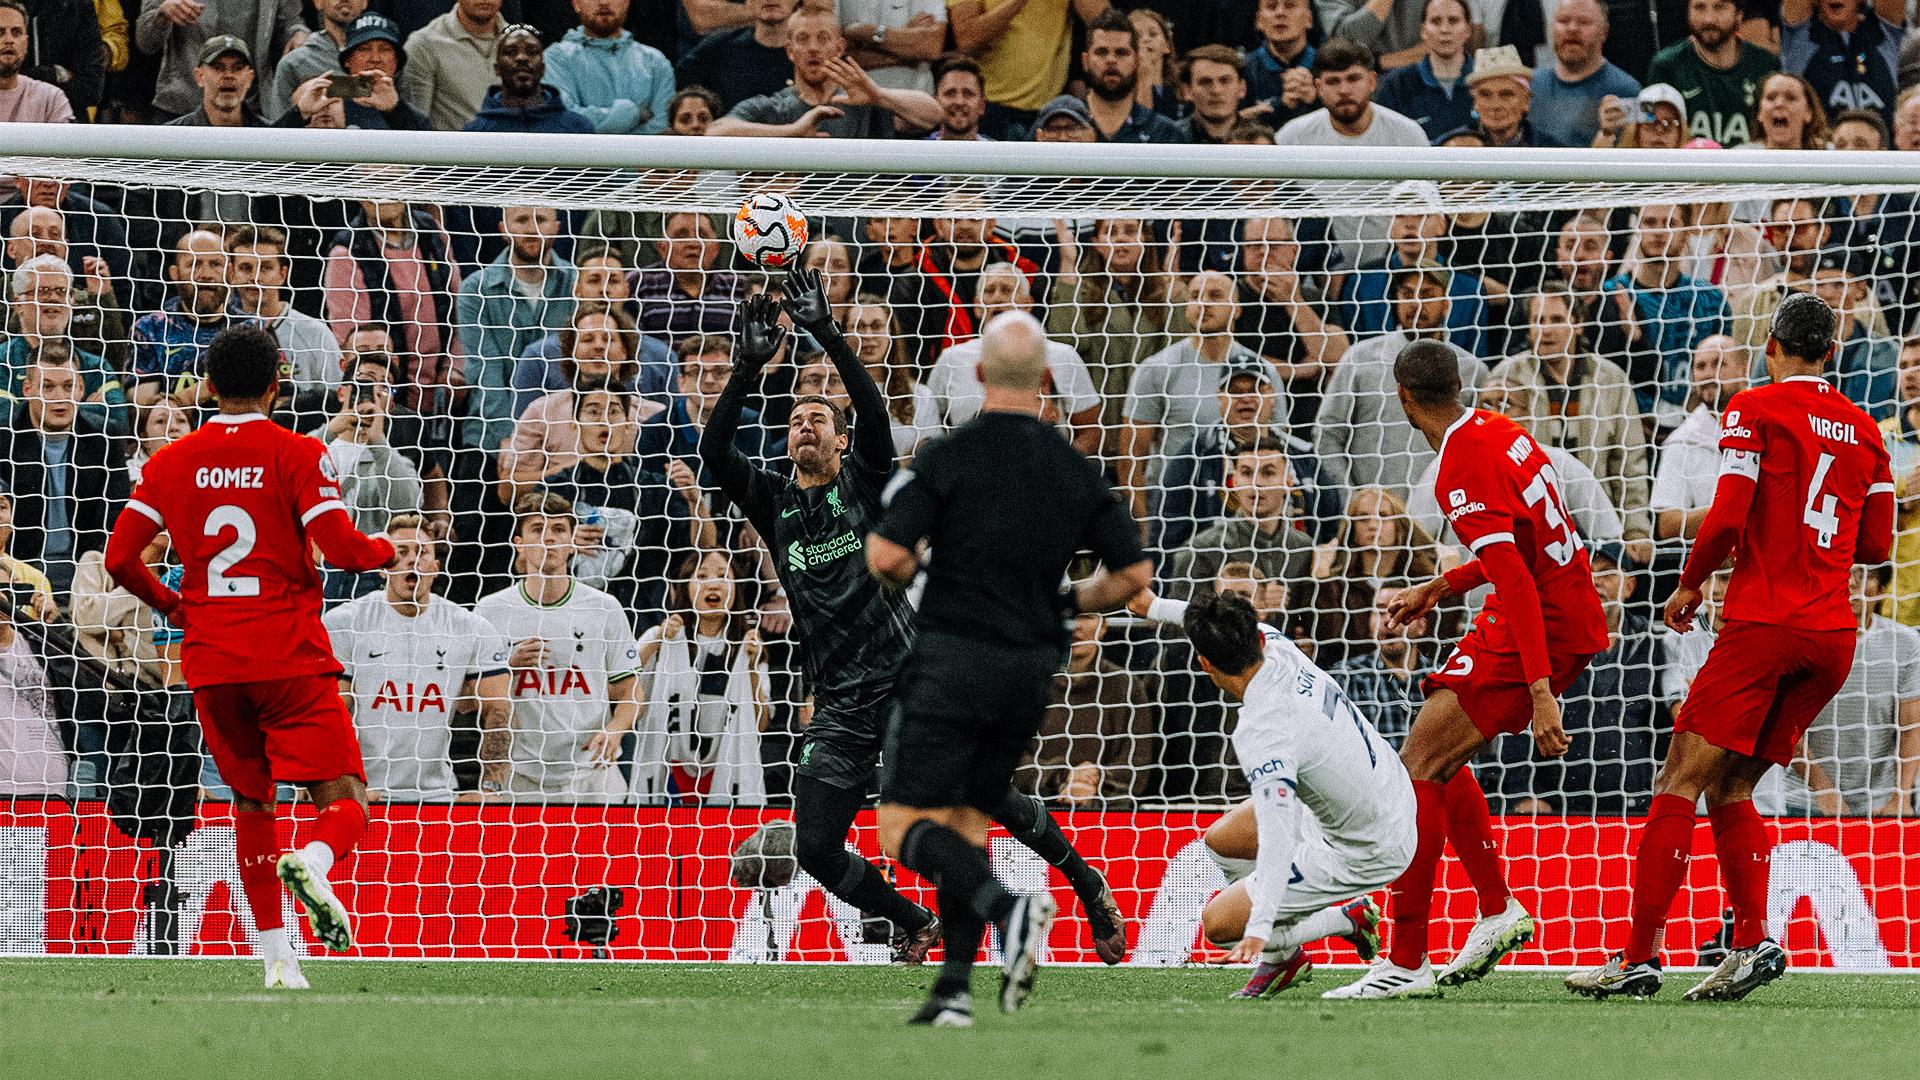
(806, 300)
(761, 334)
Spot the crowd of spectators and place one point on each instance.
(520, 390)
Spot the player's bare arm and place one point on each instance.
(490, 694)
(603, 746)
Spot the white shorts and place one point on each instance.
(1324, 875)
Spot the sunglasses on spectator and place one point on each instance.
(1650, 120)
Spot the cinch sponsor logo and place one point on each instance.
(243, 476)
(1271, 767)
(1834, 430)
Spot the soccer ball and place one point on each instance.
(769, 230)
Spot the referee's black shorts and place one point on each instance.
(966, 713)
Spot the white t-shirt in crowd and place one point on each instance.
(955, 381)
(1361, 242)
(406, 674)
(893, 14)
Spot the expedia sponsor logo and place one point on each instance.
(1731, 428)
(1460, 506)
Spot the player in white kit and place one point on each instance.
(573, 660)
(412, 660)
(1333, 805)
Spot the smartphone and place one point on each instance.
(349, 86)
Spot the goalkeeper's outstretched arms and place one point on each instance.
(761, 337)
(806, 301)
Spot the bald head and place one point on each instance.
(1013, 353)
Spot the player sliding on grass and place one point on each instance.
(242, 499)
(1536, 634)
(1805, 492)
(854, 632)
(1306, 751)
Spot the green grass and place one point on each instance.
(210, 1020)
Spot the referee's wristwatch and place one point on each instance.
(880, 35)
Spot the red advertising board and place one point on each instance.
(493, 882)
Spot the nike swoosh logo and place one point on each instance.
(375, 655)
(1692, 92)
(785, 514)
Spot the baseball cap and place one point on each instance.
(1256, 372)
(1065, 104)
(1662, 94)
(1614, 553)
(1850, 261)
(369, 28)
(221, 44)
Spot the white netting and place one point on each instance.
(1225, 350)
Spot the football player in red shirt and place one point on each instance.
(1534, 637)
(1805, 492)
(241, 499)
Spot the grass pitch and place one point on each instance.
(398, 1021)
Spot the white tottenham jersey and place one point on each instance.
(1300, 741)
(557, 708)
(406, 674)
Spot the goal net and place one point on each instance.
(472, 324)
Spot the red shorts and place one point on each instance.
(295, 730)
(1763, 685)
(1491, 685)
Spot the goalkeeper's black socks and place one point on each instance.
(1027, 819)
(960, 933)
(866, 888)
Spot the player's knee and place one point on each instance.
(1224, 839)
(1223, 923)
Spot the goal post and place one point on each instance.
(471, 319)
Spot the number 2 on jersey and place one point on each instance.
(219, 582)
(1825, 522)
(1545, 490)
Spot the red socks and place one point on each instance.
(1659, 869)
(1470, 831)
(1413, 893)
(1740, 841)
(258, 850)
(340, 825)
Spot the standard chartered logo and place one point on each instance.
(801, 556)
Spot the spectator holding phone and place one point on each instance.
(367, 96)
(318, 55)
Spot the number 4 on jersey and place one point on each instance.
(1825, 521)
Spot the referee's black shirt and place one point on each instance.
(1005, 503)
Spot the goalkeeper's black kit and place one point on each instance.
(854, 633)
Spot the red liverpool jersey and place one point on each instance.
(235, 498)
(1496, 484)
(1814, 457)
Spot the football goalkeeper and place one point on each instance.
(853, 632)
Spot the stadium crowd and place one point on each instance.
(500, 384)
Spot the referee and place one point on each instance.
(854, 633)
(1005, 505)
